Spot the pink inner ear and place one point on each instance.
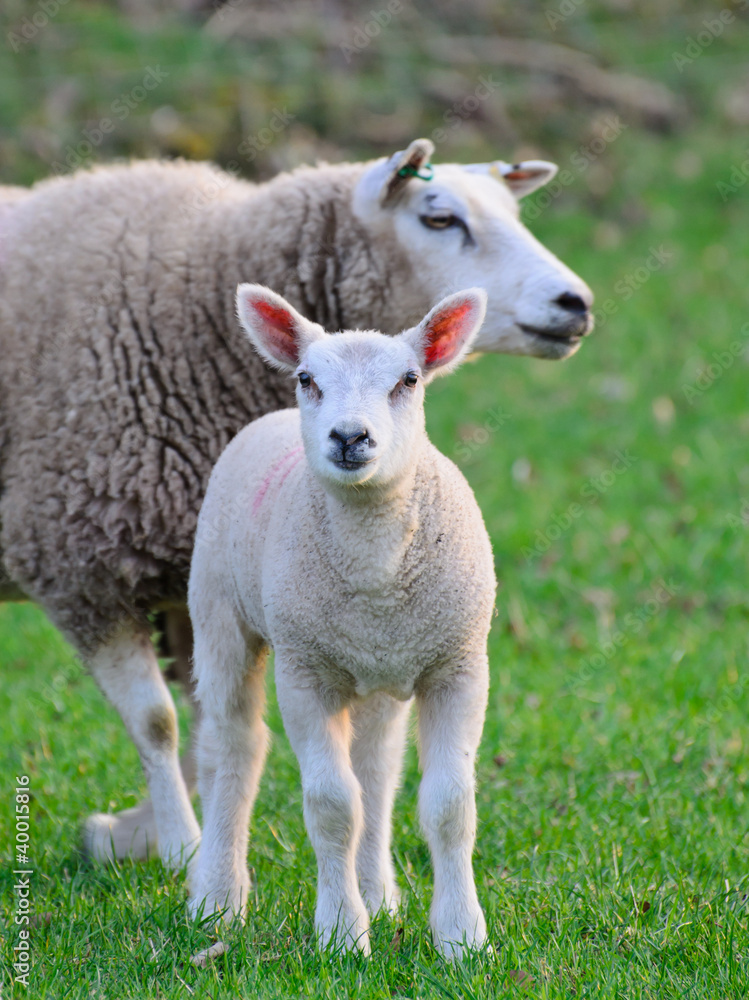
(445, 333)
(278, 329)
(519, 175)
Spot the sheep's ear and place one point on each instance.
(444, 336)
(386, 179)
(276, 330)
(403, 166)
(521, 178)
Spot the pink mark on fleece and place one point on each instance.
(278, 471)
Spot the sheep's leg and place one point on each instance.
(179, 637)
(132, 832)
(231, 747)
(127, 671)
(321, 737)
(380, 724)
(450, 722)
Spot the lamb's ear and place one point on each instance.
(276, 330)
(521, 178)
(444, 336)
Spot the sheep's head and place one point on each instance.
(361, 393)
(460, 226)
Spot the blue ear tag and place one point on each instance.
(409, 171)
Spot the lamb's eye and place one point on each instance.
(410, 379)
(442, 221)
(304, 380)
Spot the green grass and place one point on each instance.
(612, 851)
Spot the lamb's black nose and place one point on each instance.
(352, 437)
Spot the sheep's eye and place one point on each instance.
(304, 380)
(442, 221)
(410, 379)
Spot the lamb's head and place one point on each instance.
(460, 226)
(361, 393)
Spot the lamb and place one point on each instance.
(123, 373)
(357, 551)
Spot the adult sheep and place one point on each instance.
(124, 374)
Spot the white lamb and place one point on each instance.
(357, 551)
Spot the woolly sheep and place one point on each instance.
(123, 373)
(357, 552)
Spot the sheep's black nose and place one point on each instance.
(572, 302)
(353, 437)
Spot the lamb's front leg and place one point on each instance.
(451, 718)
(380, 723)
(232, 743)
(320, 735)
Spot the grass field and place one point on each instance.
(613, 785)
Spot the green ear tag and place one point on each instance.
(409, 171)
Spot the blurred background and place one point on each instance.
(644, 105)
(199, 79)
(615, 486)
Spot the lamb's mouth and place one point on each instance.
(351, 466)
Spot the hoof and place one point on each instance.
(106, 838)
(224, 906)
(454, 940)
(387, 900)
(208, 955)
(345, 931)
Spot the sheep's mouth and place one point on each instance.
(552, 346)
(567, 339)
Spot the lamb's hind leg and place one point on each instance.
(232, 743)
(127, 671)
(380, 728)
(132, 832)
